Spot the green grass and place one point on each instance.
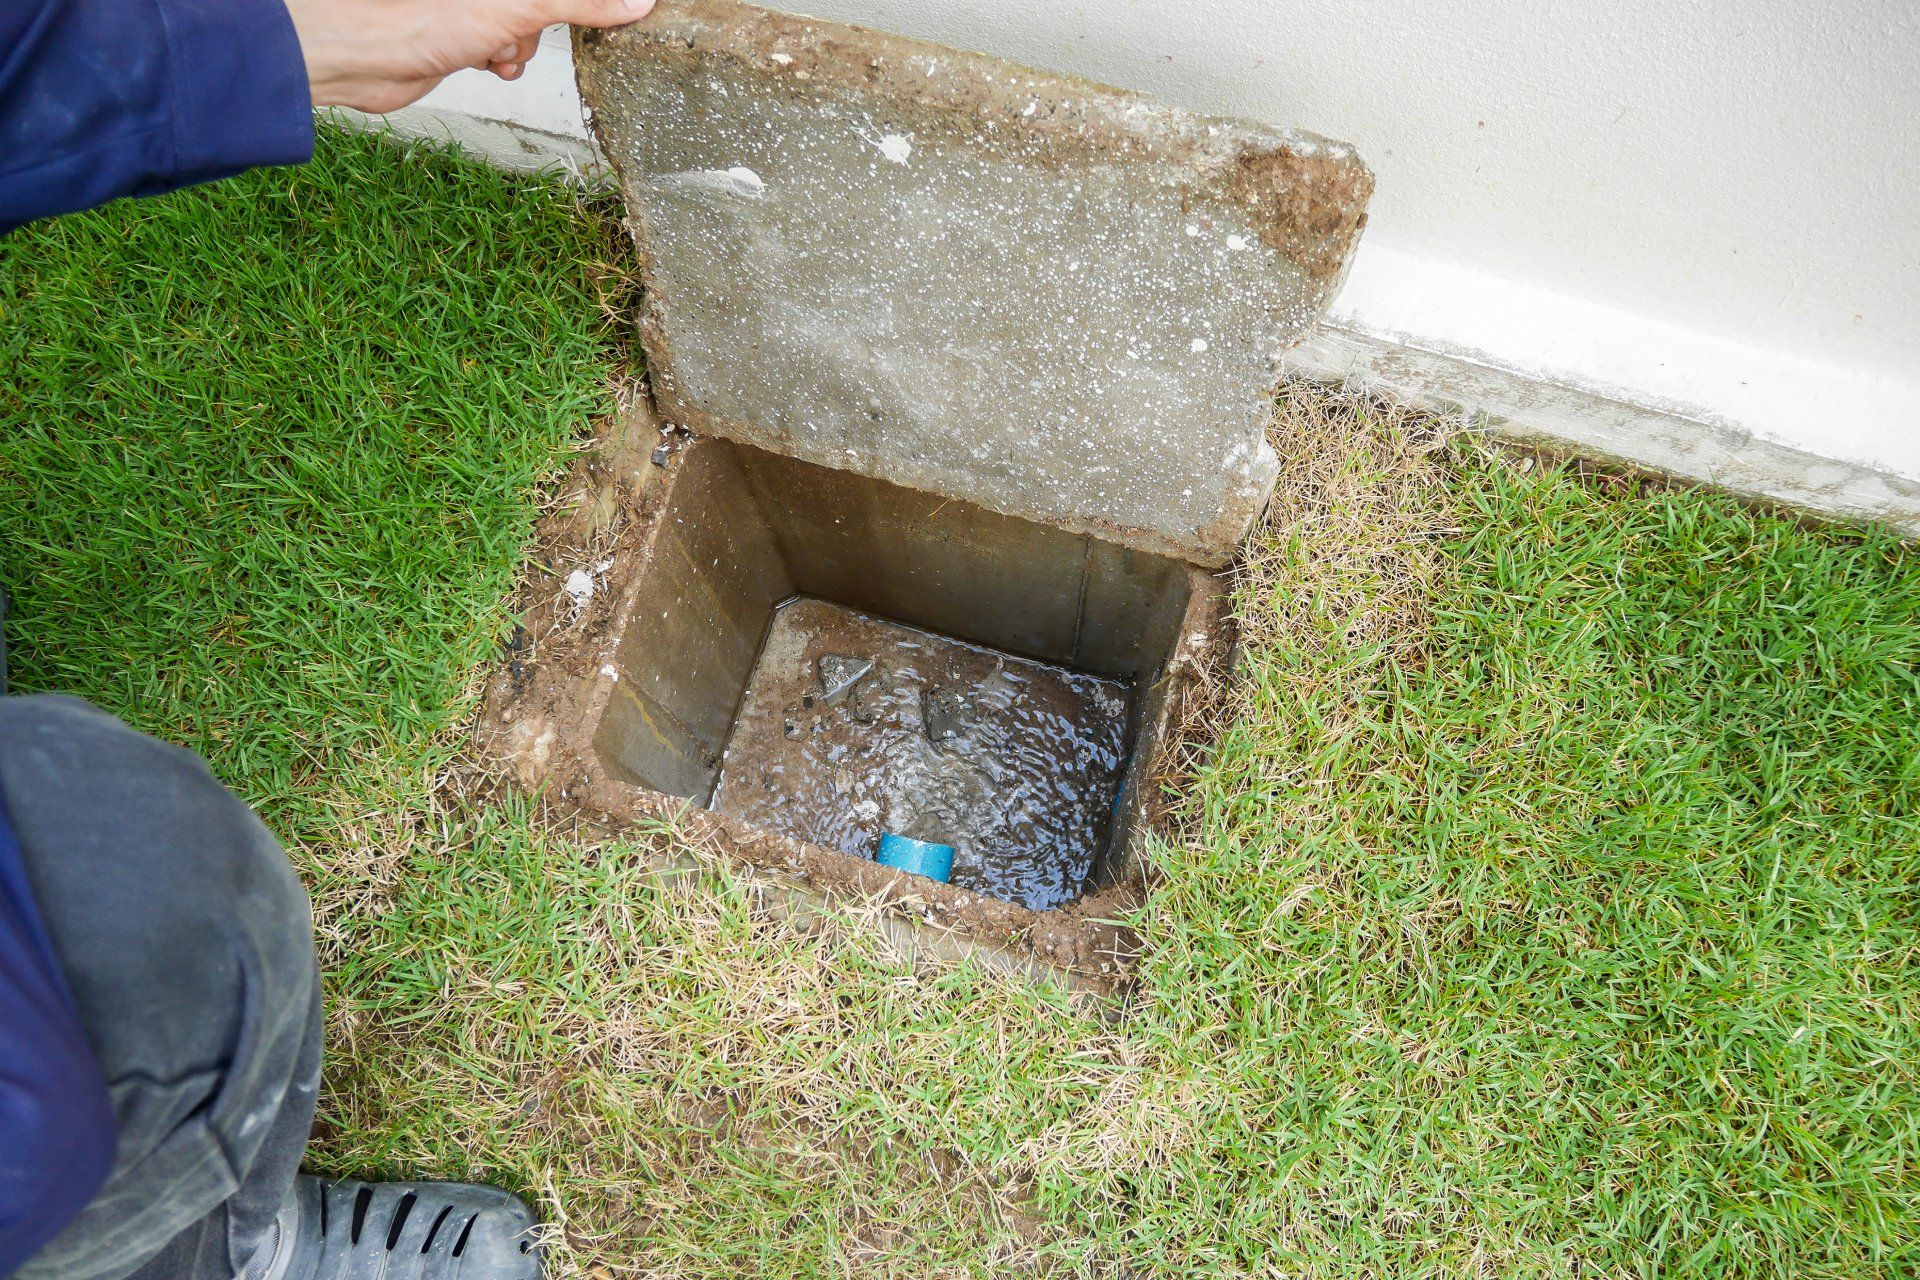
(269, 447)
(1548, 907)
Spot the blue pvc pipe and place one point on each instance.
(903, 853)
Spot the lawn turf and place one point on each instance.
(1547, 906)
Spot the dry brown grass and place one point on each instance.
(1352, 533)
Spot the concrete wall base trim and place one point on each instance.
(1517, 408)
(1513, 405)
(504, 143)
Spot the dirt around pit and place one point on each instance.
(536, 727)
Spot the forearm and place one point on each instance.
(106, 98)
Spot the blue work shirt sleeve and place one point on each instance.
(107, 98)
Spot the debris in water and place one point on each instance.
(839, 673)
(945, 714)
(860, 709)
(1023, 787)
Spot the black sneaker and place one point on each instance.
(398, 1231)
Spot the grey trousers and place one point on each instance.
(187, 942)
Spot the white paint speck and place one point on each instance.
(738, 181)
(611, 672)
(1193, 229)
(896, 147)
(1239, 244)
(784, 59)
(1199, 345)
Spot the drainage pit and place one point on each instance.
(970, 367)
(832, 657)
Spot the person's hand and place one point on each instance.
(380, 55)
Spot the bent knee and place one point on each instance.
(94, 799)
(152, 878)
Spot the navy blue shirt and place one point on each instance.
(98, 99)
(106, 98)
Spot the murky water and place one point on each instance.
(1014, 763)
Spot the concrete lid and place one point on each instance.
(1051, 298)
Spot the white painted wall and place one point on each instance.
(1708, 210)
